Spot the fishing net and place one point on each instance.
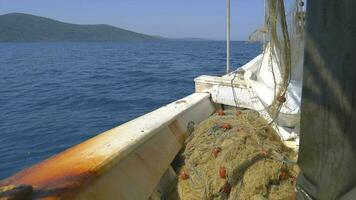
(280, 51)
(235, 155)
(283, 40)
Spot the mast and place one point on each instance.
(227, 36)
(264, 24)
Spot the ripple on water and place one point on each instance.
(55, 95)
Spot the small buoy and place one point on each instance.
(238, 113)
(184, 175)
(283, 175)
(216, 151)
(293, 180)
(281, 99)
(189, 146)
(221, 112)
(227, 188)
(264, 152)
(225, 126)
(222, 172)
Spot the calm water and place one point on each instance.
(56, 95)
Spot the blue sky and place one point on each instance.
(169, 18)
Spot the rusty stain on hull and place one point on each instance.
(60, 175)
(83, 167)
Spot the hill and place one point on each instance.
(19, 27)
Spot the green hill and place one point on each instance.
(18, 27)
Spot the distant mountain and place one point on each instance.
(18, 27)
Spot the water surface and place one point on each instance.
(56, 95)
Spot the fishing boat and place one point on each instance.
(134, 160)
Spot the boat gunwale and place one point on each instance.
(65, 174)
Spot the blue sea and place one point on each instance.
(56, 95)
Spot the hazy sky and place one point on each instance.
(169, 18)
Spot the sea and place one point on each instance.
(56, 95)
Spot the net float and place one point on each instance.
(189, 146)
(221, 112)
(184, 175)
(216, 151)
(222, 172)
(226, 126)
(293, 180)
(281, 99)
(264, 152)
(283, 175)
(227, 188)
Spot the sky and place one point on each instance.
(167, 18)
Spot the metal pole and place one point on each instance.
(264, 25)
(228, 36)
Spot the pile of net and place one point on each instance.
(235, 155)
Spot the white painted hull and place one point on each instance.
(254, 86)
